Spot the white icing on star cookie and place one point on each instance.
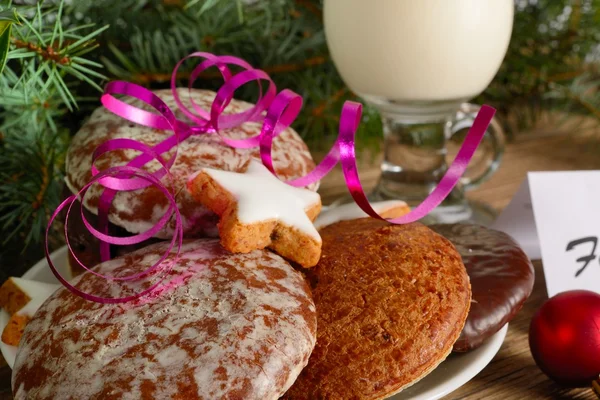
(262, 196)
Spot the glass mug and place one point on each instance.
(418, 63)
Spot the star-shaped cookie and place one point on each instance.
(257, 210)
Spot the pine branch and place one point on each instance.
(48, 53)
(284, 38)
(27, 195)
(41, 83)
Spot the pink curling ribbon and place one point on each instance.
(276, 111)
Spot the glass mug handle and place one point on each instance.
(489, 153)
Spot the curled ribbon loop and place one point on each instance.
(124, 143)
(175, 241)
(276, 112)
(224, 96)
(349, 123)
(210, 61)
(282, 112)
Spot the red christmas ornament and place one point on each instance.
(564, 337)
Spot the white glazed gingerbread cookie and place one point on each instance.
(257, 210)
(222, 326)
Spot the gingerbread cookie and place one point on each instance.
(257, 210)
(501, 279)
(391, 301)
(21, 298)
(16, 293)
(224, 326)
(137, 211)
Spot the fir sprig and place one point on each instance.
(48, 53)
(47, 68)
(27, 195)
(283, 37)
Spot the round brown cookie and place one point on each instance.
(501, 279)
(138, 211)
(236, 326)
(391, 300)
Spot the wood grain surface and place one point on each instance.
(512, 374)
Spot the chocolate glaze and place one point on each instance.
(501, 279)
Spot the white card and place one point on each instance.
(517, 220)
(561, 212)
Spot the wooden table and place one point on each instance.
(512, 374)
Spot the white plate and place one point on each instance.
(451, 374)
(39, 272)
(455, 371)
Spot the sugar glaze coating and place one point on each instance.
(239, 326)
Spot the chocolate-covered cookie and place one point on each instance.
(501, 279)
